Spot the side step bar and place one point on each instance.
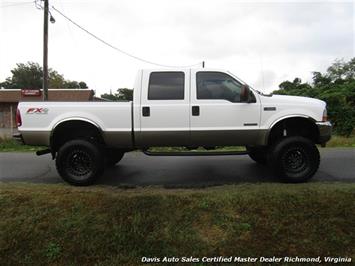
(195, 153)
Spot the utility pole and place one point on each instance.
(45, 52)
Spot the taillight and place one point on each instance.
(18, 118)
(325, 115)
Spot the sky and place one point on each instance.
(262, 42)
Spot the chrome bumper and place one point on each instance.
(325, 131)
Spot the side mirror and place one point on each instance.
(245, 94)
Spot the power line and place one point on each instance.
(38, 4)
(116, 48)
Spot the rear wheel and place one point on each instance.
(80, 162)
(294, 159)
(258, 154)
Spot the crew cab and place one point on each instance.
(187, 107)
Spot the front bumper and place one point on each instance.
(325, 131)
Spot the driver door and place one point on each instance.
(219, 116)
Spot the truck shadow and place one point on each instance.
(136, 169)
(182, 172)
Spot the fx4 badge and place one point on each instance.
(40, 111)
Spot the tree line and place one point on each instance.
(30, 76)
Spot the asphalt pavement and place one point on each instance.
(137, 169)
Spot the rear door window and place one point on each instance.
(166, 86)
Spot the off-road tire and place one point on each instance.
(294, 159)
(80, 162)
(258, 154)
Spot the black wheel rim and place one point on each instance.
(79, 164)
(295, 160)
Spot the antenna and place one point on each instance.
(262, 71)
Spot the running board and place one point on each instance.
(194, 153)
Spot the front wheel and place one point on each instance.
(80, 162)
(294, 159)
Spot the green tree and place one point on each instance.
(55, 80)
(30, 76)
(342, 70)
(123, 94)
(319, 79)
(24, 76)
(109, 96)
(71, 84)
(82, 85)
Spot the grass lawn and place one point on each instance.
(339, 141)
(63, 225)
(8, 145)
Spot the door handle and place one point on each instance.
(195, 110)
(146, 111)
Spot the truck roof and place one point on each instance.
(181, 69)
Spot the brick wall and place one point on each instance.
(5, 115)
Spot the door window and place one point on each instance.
(166, 86)
(218, 85)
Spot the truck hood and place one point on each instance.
(292, 100)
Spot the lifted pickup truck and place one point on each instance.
(188, 108)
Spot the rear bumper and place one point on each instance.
(325, 131)
(18, 137)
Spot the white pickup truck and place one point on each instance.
(189, 108)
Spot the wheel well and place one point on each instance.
(294, 126)
(74, 129)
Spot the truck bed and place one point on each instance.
(114, 119)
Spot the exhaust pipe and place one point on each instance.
(42, 152)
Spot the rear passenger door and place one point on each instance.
(165, 111)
